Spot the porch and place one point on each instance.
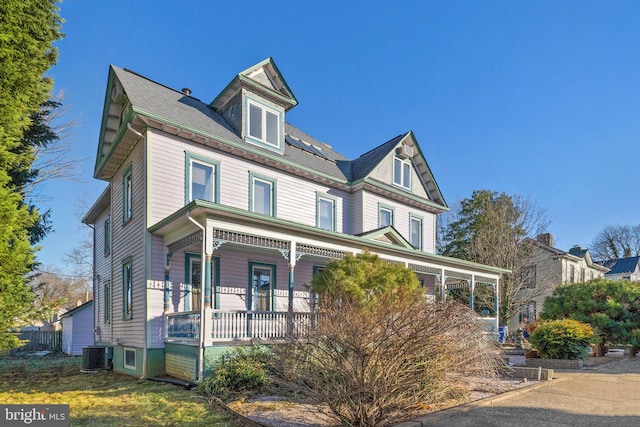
(227, 326)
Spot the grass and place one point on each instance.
(103, 398)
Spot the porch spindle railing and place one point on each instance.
(184, 324)
(241, 325)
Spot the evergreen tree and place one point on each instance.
(495, 229)
(28, 29)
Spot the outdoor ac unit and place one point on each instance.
(94, 358)
(404, 151)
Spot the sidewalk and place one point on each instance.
(606, 395)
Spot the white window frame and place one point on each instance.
(323, 198)
(262, 138)
(253, 178)
(419, 220)
(389, 209)
(124, 357)
(404, 173)
(215, 181)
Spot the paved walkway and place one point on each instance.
(606, 396)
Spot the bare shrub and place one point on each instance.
(377, 364)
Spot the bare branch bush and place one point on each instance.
(381, 364)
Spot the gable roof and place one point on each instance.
(145, 102)
(75, 310)
(622, 265)
(387, 234)
(265, 78)
(574, 254)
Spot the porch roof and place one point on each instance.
(199, 209)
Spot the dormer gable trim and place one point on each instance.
(387, 234)
(274, 88)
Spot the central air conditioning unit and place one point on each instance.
(405, 151)
(96, 358)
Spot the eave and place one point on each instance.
(200, 208)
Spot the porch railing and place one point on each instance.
(240, 325)
(183, 325)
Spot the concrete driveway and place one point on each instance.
(608, 396)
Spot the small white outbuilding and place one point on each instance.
(77, 329)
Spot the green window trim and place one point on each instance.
(320, 222)
(382, 209)
(106, 289)
(415, 219)
(107, 235)
(127, 195)
(251, 302)
(127, 289)
(190, 159)
(262, 179)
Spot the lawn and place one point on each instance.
(103, 398)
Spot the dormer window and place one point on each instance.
(263, 125)
(402, 172)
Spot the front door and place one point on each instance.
(261, 288)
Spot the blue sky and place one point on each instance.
(539, 99)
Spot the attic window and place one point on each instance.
(402, 172)
(264, 124)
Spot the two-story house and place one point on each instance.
(217, 215)
(548, 268)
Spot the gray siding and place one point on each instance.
(128, 242)
(102, 265)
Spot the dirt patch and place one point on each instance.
(278, 411)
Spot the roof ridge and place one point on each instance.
(157, 83)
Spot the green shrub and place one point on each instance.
(562, 339)
(237, 371)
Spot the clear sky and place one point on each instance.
(539, 99)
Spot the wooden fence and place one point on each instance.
(40, 340)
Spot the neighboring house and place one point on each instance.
(550, 267)
(77, 329)
(52, 324)
(622, 269)
(223, 212)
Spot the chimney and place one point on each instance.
(186, 91)
(545, 239)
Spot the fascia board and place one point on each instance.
(135, 110)
(203, 207)
(424, 159)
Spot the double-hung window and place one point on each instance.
(202, 179)
(107, 301)
(402, 172)
(415, 232)
(107, 236)
(127, 195)
(263, 124)
(385, 216)
(262, 195)
(127, 289)
(326, 212)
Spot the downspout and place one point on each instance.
(146, 314)
(202, 308)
